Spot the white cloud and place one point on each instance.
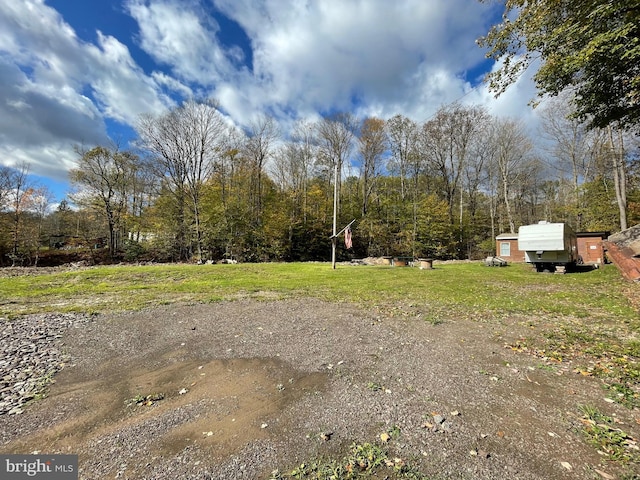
(372, 56)
(180, 35)
(514, 102)
(47, 73)
(119, 85)
(369, 57)
(172, 84)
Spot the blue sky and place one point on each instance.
(80, 72)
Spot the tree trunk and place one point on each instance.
(619, 177)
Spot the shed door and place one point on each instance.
(593, 253)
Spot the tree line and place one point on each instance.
(194, 187)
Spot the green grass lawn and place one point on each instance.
(458, 288)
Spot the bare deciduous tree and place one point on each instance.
(186, 142)
(447, 139)
(512, 153)
(5, 185)
(617, 153)
(402, 134)
(335, 141)
(17, 197)
(105, 176)
(258, 148)
(568, 145)
(371, 145)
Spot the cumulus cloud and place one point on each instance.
(514, 102)
(48, 76)
(294, 60)
(333, 55)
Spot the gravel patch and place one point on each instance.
(31, 354)
(250, 386)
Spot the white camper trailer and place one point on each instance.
(548, 245)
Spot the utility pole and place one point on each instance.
(334, 237)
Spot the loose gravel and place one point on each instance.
(249, 387)
(31, 353)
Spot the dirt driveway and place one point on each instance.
(239, 389)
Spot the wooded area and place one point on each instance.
(195, 188)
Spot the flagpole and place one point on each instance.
(335, 216)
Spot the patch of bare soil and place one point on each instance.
(238, 389)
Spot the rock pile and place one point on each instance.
(31, 352)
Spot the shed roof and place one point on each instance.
(602, 235)
(507, 236)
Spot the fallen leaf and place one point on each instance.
(604, 475)
(566, 465)
(384, 437)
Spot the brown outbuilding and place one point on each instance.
(591, 247)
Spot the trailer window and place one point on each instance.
(505, 249)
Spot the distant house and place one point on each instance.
(590, 247)
(507, 248)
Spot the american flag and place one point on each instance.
(347, 238)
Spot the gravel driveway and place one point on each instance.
(235, 390)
